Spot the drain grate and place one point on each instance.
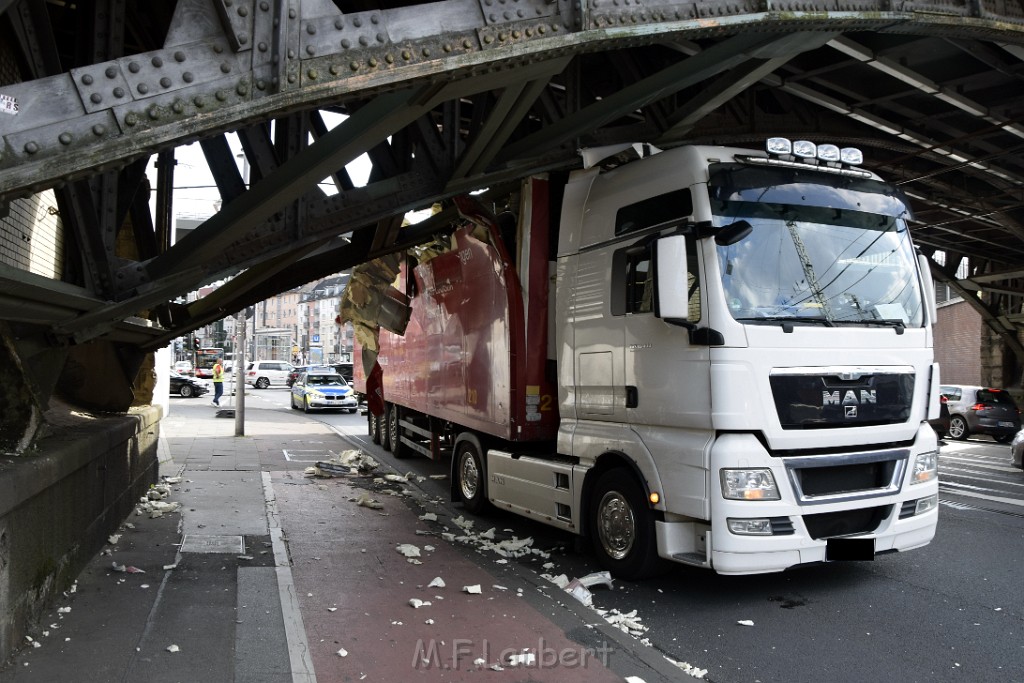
(195, 543)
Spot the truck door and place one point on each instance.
(667, 378)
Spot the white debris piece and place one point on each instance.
(489, 534)
(463, 523)
(479, 661)
(627, 623)
(745, 622)
(413, 560)
(580, 592)
(172, 480)
(417, 603)
(597, 578)
(438, 476)
(429, 622)
(436, 582)
(113, 539)
(343, 652)
(687, 668)
(472, 590)
(634, 679)
(367, 502)
(429, 548)
(173, 648)
(332, 609)
(562, 581)
(428, 517)
(525, 659)
(548, 565)
(395, 477)
(408, 550)
(63, 610)
(359, 460)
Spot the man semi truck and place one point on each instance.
(717, 356)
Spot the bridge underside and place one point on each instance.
(444, 98)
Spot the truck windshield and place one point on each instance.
(822, 251)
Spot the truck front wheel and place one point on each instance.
(622, 526)
(469, 466)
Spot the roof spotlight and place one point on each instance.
(851, 155)
(805, 148)
(828, 152)
(779, 146)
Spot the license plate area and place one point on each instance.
(1005, 424)
(849, 549)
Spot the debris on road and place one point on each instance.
(472, 590)
(745, 622)
(417, 603)
(173, 648)
(436, 582)
(687, 668)
(408, 550)
(367, 502)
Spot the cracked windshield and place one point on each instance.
(824, 266)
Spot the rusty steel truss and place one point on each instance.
(451, 96)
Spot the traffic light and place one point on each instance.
(195, 343)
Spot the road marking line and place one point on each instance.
(958, 490)
(298, 648)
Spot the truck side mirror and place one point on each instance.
(928, 283)
(673, 293)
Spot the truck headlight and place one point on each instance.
(926, 467)
(749, 484)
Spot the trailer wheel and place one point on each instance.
(470, 470)
(382, 425)
(622, 526)
(373, 427)
(398, 449)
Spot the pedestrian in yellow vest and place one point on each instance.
(218, 382)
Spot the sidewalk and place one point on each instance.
(268, 575)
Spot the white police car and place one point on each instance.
(323, 391)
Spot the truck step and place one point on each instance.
(694, 559)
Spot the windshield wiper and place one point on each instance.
(786, 319)
(894, 323)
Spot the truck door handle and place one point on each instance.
(632, 397)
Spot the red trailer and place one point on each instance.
(476, 363)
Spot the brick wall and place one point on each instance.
(30, 232)
(958, 344)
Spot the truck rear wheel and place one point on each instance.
(470, 470)
(398, 449)
(373, 427)
(622, 526)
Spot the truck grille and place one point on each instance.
(819, 479)
(833, 400)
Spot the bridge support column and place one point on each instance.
(59, 502)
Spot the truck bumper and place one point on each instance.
(828, 505)
(900, 535)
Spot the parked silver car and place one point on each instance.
(1017, 450)
(981, 410)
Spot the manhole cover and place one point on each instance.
(193, 543)
(307, 456)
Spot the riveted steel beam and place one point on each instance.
(720, 57)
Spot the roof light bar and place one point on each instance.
(851, 155)
(828, 152)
